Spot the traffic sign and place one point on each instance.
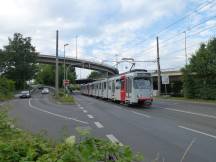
(165, 79)
(66, 82)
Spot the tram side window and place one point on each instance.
(118, 84)
(113, 86)
(104, 85)
(109, 84)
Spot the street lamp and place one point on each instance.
(185, 35)
(64, 63)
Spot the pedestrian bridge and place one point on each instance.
(81, 63)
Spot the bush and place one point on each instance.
(6, 88)
(200, 74)
(20, 146)
(65, 99)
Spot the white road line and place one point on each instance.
(196, 131)
(81, 108)
(90, 116)
(192, 113)
(147, 116)
(54, 114)
(85, 111)
(187, 149)
(98, 124)
(113, 139)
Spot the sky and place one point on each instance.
(109, 30)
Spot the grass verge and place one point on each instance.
(65, 99)
(186, 99)
(5, 97)
(20, 146)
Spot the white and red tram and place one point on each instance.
(134, 87)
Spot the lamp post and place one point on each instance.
(64, 64)
(186, 59)
(76, 45)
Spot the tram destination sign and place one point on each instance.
(143, 74)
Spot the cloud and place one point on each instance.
(106, 28)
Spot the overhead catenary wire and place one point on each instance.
(201, 6)
(188, 36)
(193, 27)
(205, 3)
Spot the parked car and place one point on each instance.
(45, 91)
(25, 94)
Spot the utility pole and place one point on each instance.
(158, 71)
(76, 46)
(64, 67)
(57, 70)
(185, 47)
(116, 57)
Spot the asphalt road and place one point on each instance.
(169, 131)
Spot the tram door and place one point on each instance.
(123, 89)
(113, 89)
(128, 89)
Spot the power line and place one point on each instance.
(165, 41)
(206, 3)
(187, 15)
(201, 6)
(182, 49)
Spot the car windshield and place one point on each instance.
(142, 83)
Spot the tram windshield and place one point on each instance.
(142, 83)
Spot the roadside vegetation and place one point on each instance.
(46, 75)
(96, 75)
(6, 88)
(199, 76)
(18, 60)
(191, 100)
(65, 98)
(20, 146)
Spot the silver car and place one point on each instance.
(45, 91)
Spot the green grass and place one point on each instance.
(186, 99)
(20, 146)
(65, 99)
(6, 97)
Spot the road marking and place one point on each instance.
(98, 124)
(192, 113)
(54, 114)
(81, 108)
(147, 116)
(187, 149)
(196, 131)
(113, 139)
(90, 116)
(85, 111)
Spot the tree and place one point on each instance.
(200, 74)
(18, 60)
(46, 75)
(95, 75)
